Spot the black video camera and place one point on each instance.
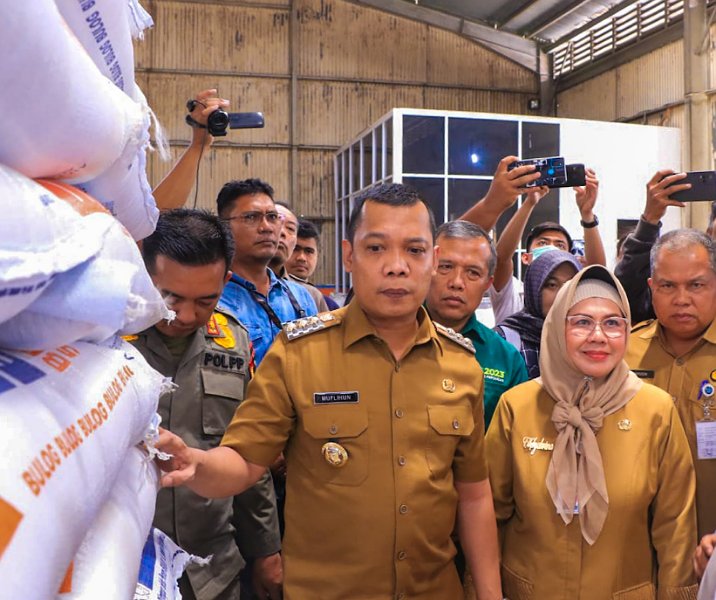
(219, 121)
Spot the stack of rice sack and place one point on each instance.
(72, 110)
(77, 493)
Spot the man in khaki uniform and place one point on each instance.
(677, 351)
(379, 413)
(208, 356)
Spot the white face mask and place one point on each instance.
(541, 250)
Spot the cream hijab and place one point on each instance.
(576, 473)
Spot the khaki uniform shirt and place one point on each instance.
(378, 527)
(644, 549)
(681, 377)
(211, 378)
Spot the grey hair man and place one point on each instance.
(466, 264)
(677, 350)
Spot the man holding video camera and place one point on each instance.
(173, 191)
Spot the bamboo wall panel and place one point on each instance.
(325, 271)
(674, 116)
(651, 81)
(646, 83)
(315, 190)
(216, 38)
(332, 113)
(476, 100)
(455, 60)
(712, 57)
(168, 93)
(222, 164)
(594, 99)
(338, 39)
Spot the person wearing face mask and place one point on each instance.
(550, 269)
(590, 467)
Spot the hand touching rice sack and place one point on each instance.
(107, 564)
(109, 293)
(41, 239)
(73, 123)
(67, 419)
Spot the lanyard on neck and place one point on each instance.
(262, 301)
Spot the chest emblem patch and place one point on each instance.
(448, 385)
(532, 444)
(624, 425)
(334, 454)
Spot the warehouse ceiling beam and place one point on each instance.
(520, 10)
(538, 15)
(512, 46)
(552, 18)
(588, 25)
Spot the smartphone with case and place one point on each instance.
(576, 176)
(553, 172)
(703, 187)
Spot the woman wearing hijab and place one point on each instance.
(590, 467)
(545, 276)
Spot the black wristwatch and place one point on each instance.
(590, 225)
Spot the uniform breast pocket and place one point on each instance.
(448, 425)
(344, 426)
(222, 394)
(256, 334)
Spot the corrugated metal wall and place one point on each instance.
(649, 82)
(648, 90)
(320, 71)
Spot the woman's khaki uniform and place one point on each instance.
(650, 481)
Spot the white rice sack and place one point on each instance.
(105, 28)
(41, 238)
(109, 293)
(107, 564)
(72, 122)
(163, 563)
(124, 190)
(67, 419)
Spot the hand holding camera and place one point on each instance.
(200, 108)
(206, 113)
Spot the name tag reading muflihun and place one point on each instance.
(335, 398)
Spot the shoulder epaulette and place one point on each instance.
(230, 318)
(642, 325)
(456, 337)
(300, 327)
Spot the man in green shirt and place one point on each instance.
(466, 264)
